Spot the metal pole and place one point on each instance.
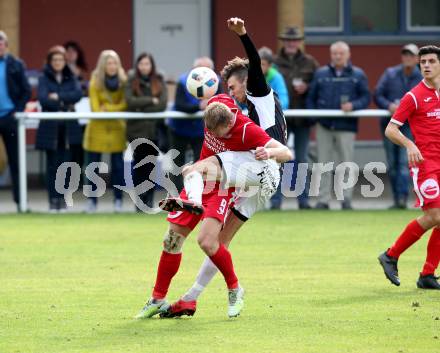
(22, 172)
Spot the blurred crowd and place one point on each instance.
(296, 77)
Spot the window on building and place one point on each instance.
(323, 16)
(423, 15)
(374, 16)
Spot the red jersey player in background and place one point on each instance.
(421, 108)
(226, 128)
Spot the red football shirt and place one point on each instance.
(421, 107)
(245, 135)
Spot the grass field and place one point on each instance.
(72, 283)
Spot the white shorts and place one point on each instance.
(255, 181)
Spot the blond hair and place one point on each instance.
(99, 73)
(217, 114)
(236, 67)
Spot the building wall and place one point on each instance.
(9, 10)
(96, 25)
(262, 25)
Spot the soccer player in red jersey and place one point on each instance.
(226, 129)
(421, 108)
(247, 85)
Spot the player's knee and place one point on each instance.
(207, 243)
(173, 242)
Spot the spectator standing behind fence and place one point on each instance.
(14, 94)
(77, 63)
(297, 69)
(393, 84)
(58, 91)
(339, 85)
(145, 92)
(107, 94)
(184, 133)
(273, 76)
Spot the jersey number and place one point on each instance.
(222, 208)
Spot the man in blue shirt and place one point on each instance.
(14, 93)
(393, 84)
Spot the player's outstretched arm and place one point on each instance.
(256, 84)
(393, 133)
(275, 150)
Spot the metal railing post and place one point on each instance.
(22, 165)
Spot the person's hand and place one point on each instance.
(262, 153)
(54, 96)
(236, 25)
(414, 155)
(392, 108)
(203, 103)
(347, 107)
(301, 88)
(155, 100)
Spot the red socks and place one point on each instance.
(433, 253)
(223, 260)
(410, 235)
(168, 267)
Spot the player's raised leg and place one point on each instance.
(169, 264)
(196, 179)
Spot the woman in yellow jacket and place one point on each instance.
(106, 93)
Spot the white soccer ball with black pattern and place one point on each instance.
(202, 83)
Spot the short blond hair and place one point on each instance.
(217, 114)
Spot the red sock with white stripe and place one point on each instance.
(223, 260)
(433, 253)
(410, 235)
(168, 266)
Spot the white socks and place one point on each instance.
(193, 183)
(206, 274)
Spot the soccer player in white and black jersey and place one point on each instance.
(246, 84)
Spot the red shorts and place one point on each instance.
(426, 178)
(215, 202)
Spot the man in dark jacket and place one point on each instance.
(14, 94)
(297, 69)
(339, 85)
(393, 84)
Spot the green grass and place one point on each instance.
(72, 283)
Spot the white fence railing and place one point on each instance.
(24, 118)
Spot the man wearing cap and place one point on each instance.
(297, 69)
(393, 84)
(14, 94)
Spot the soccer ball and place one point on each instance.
(202, 83)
